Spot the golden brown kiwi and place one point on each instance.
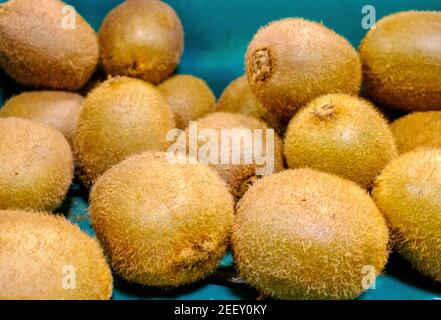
(55, 108)
(402, 61)
(189, 97)
(46, 44)
(162, 224)
(292, 61)
(36, 165)
(45, 257)
(120, 118)
(142, 39)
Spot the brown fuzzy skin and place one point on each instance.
(417, 130)
(292, 61)
(340, 134)
(120, 118)
(55, 108)
(402, 61)
(189, 97)
(36, 51)
(408, 193)
(304, 234)
(142, 39)
(36, 166)
(238, 176)
(162, 224)
(36, 247)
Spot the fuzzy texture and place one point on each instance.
(292, 61)
(36, 165)
(142, 39)
(402, 61)
(408, 193)
(35, 249)
(189, 97)
(120, 118)
(237, 176)
(162, 224)
(417, 130)
(55, 108)
(304, 234)
(37, 50)
(340, 134)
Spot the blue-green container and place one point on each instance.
(217, 34)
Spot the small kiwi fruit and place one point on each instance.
(408, 193)
(45, 257)
(162, 224)
(120, 118)
(292, 61)
(142, 39)
(304, 234)
(401, 59)
(340, 134)
(43, 46)
(189, 97)
(55, 108)
(239, 175)
(36, 166)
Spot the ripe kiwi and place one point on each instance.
(237, 176)
(120, 118)
(189, 97)
(45, 257)
(36, 165)
(38, 50)
(142, 39)
(408, 193)
(162, 224)
(292, 61)
(402, 61)
(304, 234)
(55, 108)
(417, 130)
(340, 134)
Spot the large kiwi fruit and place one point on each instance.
(162, 224)
(42, 46)
(340, 134)
(36, 165)
(402, 61)
(120, 118)
(408, 193)
(189, 97)
(142, 39)
(292, 61)
(55, 108)
(45, 257)
(304, 234)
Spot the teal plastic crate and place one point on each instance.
(217, 34)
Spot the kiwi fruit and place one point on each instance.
(240, 175)
(120, 118)
(162, 224)
(417, 130)
(304, 234)
(401, 60)
(45, 257)
(189, 97)
(340, 134)
(36, 166)
(55, 108)
(41, 47)
(408, 193)
(141, 39)
(292, 61)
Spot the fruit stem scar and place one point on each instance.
(261, 65)
(325, 112)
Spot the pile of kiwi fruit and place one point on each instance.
(348, 186)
